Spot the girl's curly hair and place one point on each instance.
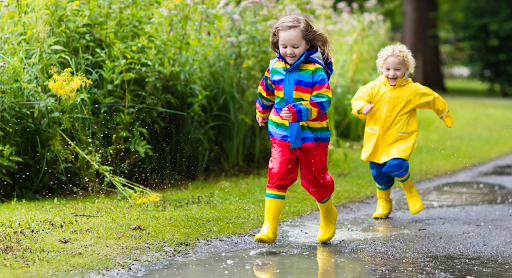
(399, 51)
(312, 36)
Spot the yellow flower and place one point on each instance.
(154, 197)
(177, 1)
(65, 85)
(77, 3)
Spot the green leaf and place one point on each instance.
(44, 122)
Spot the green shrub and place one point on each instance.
(173, 87)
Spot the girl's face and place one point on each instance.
(292, 45)
(393, 69)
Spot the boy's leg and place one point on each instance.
(317, 181)
(282, 173)
(399, 168)
(384, 182)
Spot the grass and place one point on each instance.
(72, 237)
(469, 87)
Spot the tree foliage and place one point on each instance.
(485, 29)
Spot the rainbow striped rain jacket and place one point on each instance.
(304, 89)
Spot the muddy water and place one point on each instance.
(464, 231)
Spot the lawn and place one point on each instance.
(469, 87)
(72, 237)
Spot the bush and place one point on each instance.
(173, 87)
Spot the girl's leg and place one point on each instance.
(282, 173)
(384, 183)
(317, 181)
(399, 168)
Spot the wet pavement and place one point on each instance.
(464, 231)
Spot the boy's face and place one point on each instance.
(393, 69)
(292, 45)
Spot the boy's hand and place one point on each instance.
(261, 120)
(286, 114)
(367, 108)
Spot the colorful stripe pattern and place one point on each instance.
(325, 201)
(311, 100)
(383, 188)
(276, 194)
(404, 179)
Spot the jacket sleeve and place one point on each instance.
(360, 100)
(428, 99)
(266, 97)
(319, 102)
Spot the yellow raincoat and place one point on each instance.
(391, 126)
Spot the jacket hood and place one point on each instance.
(401, 82)
(315, 56)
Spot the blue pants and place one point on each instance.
(384, 174)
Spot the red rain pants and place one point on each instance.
(283, 169)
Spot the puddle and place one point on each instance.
(302, 231)
(323, 261)
(328, 261)
(461, 194)
(503, 170)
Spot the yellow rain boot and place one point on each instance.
(384, 204)
(413, 198)
(273, 209)
(328, 216)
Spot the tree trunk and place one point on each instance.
(419, 34)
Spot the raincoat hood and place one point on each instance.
(312, 55)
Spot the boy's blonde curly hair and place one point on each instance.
(399, 51)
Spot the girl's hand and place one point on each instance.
(286, 114)
(367, 108)
(261, 120)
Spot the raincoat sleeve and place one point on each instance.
(319, 102)
(360, 100)
(428, 99)
(266, 97)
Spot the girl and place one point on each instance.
(389, 106)
(293, 97)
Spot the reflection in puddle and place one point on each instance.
(265, 268)
(320, 261)
(463, 193)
